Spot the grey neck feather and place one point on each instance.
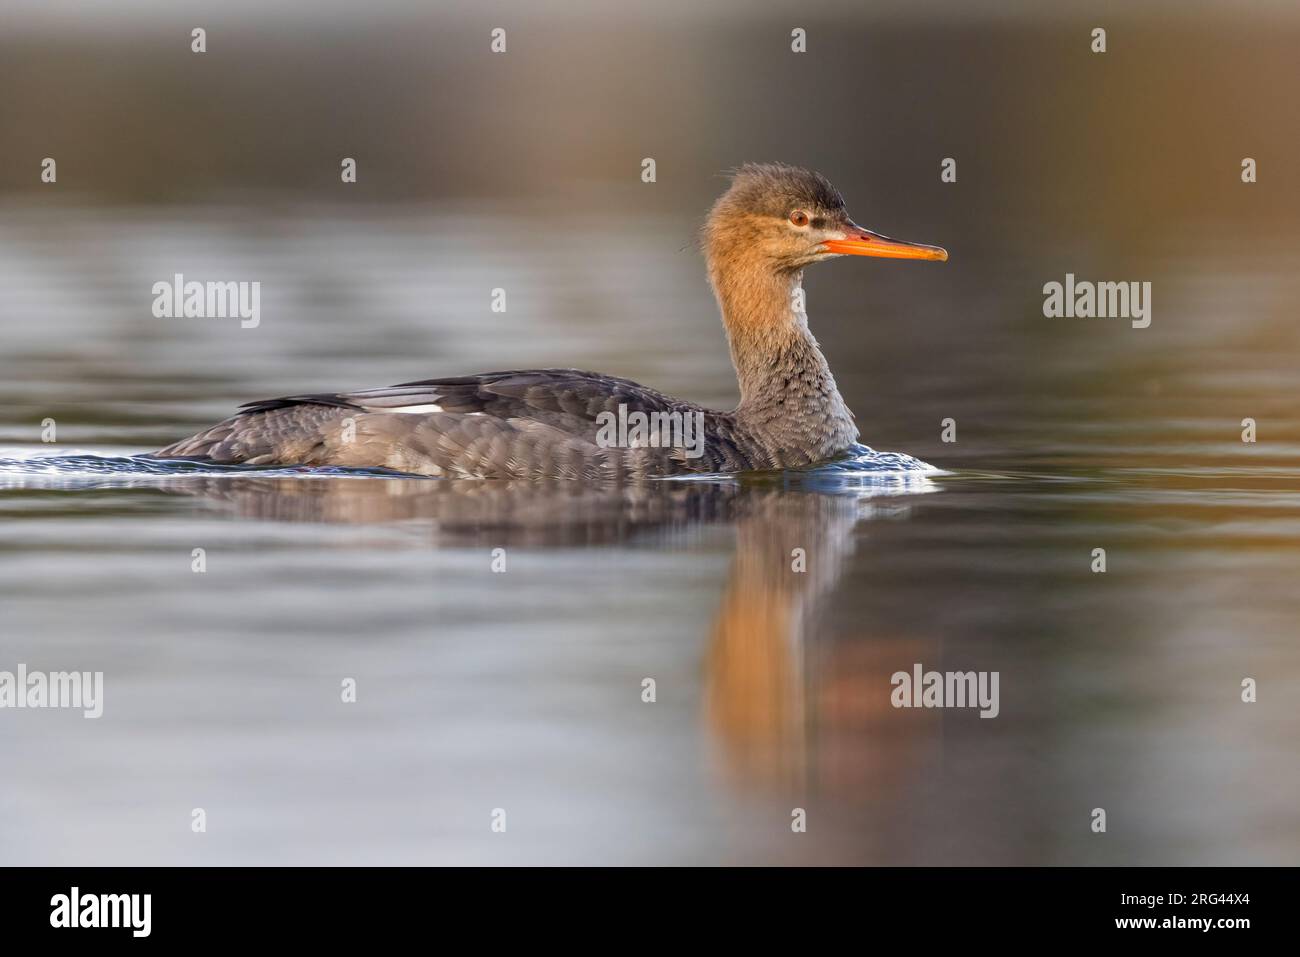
(788, 397)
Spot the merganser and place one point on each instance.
(773, 221)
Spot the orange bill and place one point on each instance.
(863, 242)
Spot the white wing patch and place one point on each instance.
(414, 409)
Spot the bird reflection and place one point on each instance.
(789, 552)
(766, 687)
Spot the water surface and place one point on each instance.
(522, 690)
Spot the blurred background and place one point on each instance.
(522, 171)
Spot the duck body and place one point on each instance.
(555, 423)
(542, 423)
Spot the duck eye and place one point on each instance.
(799, 218)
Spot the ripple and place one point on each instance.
(860, 459)
(37, 469)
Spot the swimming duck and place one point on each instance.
(771, 223)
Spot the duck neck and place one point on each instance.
(787, 392)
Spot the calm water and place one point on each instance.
(522, 690)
